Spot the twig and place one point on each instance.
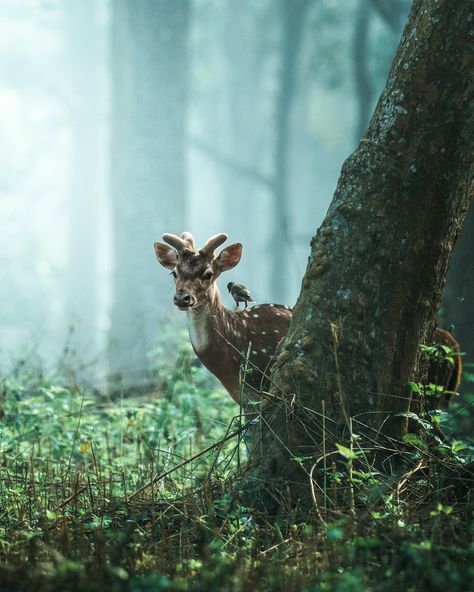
(188, 460)
(349, 468)
(335, 340)
(76, 433)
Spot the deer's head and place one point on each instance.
(195, 272)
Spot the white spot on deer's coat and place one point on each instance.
(264, 332)
(255, 316)
(276, 331)
(264, 351)
(271, 305)
(278, 314)
(244, 323)
(254, 352)
(197, 327)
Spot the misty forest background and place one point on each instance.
(123, 120)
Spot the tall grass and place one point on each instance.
(143, 492)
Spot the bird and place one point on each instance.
(239, 293)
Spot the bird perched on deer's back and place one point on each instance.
(239, 293)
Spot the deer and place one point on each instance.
(223, 340)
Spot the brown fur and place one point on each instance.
(222, 338)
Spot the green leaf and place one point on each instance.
(414, 387)
(414, 440)
(346, 452)
(423, 423)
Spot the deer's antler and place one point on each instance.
(175, 241)
(211, 244)
(189, 239)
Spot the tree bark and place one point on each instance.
(149, 82)
(378, 263)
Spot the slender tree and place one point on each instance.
(391, 11)
(378, 263)
(293, 14)
(244, 51)
(149, 40)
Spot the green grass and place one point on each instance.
(76, 512)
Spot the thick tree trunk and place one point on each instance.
(147, 170)
(378, 262)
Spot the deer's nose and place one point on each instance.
(182, 299)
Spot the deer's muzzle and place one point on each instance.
(183, 300)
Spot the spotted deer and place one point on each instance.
(222, 338)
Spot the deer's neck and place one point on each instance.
(203, 322)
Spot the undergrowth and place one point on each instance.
(143, 493)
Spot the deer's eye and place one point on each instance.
(207, 275)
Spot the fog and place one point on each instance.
(124, 119)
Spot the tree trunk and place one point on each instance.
(147, 170)
(378, 262)
(242, 140)
(81, 23)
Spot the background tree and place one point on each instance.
(378, 262)
(293, 14)
(84, 102)
(367, 73)
(362, 81)
(147, 174)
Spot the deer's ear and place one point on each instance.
(166, 255)
(229, 257)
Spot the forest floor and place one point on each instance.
(143, 493)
